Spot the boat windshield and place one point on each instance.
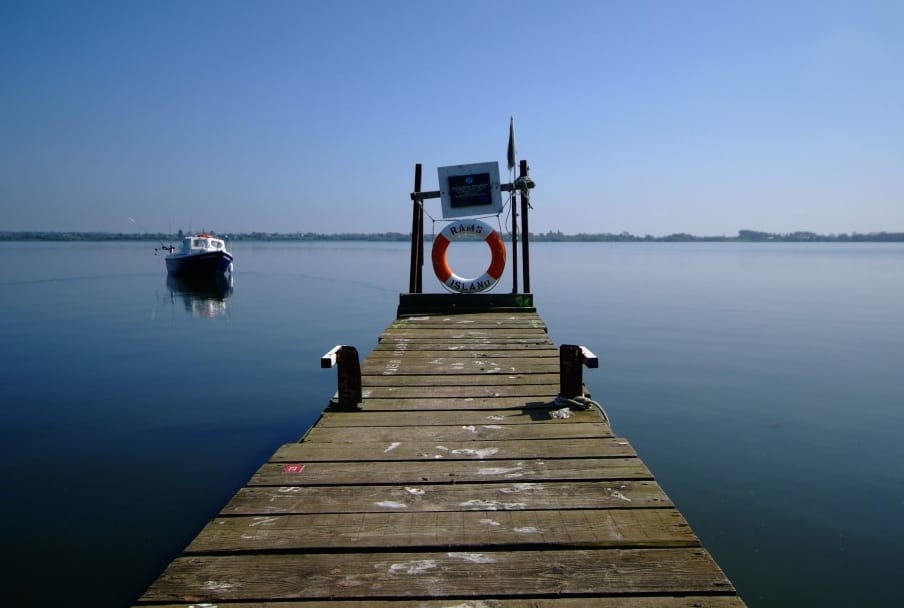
(204, 244)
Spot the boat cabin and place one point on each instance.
(202, 242)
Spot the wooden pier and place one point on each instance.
(456, 482)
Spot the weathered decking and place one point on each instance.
(452, 486)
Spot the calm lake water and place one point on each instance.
(761, 383)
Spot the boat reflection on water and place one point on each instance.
(203, 296)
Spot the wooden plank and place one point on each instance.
(515, 496)
(469, 322)
(463, 356)
(544, 390)
(447, 337)
(442, 574)
(501, 321)
(463, 335)
(455, 450)
(456, 333)
(511, 325)
(457, 433)
(533, 351)
(445, 471)
(474, 343)
(543, 347)
(459, 379)
(424, 404)
(331, 419)
(474, 317)
(632, 528)
(686, 601)
(442, 366)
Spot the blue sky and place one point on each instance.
(647, 116)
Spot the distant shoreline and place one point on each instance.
(743, 236)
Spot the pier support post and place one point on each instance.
(572, 358)
(523, 181)
(417, 235)
(348, 394)
(514, 241)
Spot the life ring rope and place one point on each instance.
(468, 227)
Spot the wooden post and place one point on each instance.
(419, 282)
(571, 381)
(514, 241)
(349, 375)
(525, 232)
(572, 358)
(417, 236)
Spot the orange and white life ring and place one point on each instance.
(459, 229)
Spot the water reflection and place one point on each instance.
(204, 296)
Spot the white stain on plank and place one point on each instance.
(527, 530)
(618, 495)
(492, 505)
(262, 521)
(414, 567)
(217, 586)
(480, 453)
(474, 558)
(508, 471)
(522, 487)
(391, 367)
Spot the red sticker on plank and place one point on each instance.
(293, 469)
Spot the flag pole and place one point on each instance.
(510, 155)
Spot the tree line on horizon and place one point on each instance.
(746, 236)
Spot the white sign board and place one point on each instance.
(468, 190)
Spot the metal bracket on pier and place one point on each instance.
(348, 396)
(572, 358)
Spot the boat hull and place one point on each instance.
(199, 264)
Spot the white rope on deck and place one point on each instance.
(581, 402)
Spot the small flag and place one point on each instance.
(511, 144)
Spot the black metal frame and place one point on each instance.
(521, 185)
